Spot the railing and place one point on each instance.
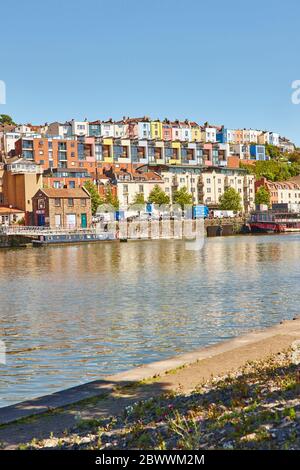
(34, 230)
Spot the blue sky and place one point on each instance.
(224, 62)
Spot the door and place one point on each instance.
(71, 220)
(41, 220)
(83, 221)
(57, 220)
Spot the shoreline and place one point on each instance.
(241, 349)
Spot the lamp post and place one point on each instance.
(9, 215)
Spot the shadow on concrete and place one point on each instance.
(60, 411)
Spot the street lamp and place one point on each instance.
(9, 215)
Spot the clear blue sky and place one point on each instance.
(225, 62)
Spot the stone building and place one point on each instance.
(62, 208)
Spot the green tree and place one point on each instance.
(183, 197)
(110, 198)
(230, 200)
(294, 157)
(262, 196)
(139, 198)
(6, 119)
(158, 196)
(96, 199)
(273, 170)
(273, 152)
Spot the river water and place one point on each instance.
(72, 314)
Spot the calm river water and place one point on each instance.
(72, 314)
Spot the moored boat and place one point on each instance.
(274, 222)
(64, 238)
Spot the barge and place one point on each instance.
(65, 238)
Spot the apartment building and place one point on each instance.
(71, 178)
(127, 184)
(271, 138)
(215, 181)
(285, 145)
(206, 185)
(287, 192)
(20, 181)
(57, 152)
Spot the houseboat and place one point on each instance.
(272, 221)
(65, 238)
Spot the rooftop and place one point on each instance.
(63, 193)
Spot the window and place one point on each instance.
(208, 180)
(57, 202)
(70, 202)
(141, 188)
(72, 184)
(209, 190)
(83, 202)
(41, 204)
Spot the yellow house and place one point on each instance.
(176, 160)
(156, 129)
(196, 132)
(108, 150)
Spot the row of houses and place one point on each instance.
(22, 180)
(145, 128)
(281, 192)
(95, 152)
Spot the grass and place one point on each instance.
(258, 407)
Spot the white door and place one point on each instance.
(57, 220)
(71, 220)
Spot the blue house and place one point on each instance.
(221, 135)
(95, 129)
(257, 152)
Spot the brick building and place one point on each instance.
(62, 208)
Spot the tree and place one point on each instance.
(139, 198)
(262, 196)
(158, 196)
(110, 198)
(96, 199)
(272, 151)
(294, 157)
(6, 119)
(183, 197)
(230, 200)
(273, 170)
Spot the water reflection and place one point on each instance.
(72, 314)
